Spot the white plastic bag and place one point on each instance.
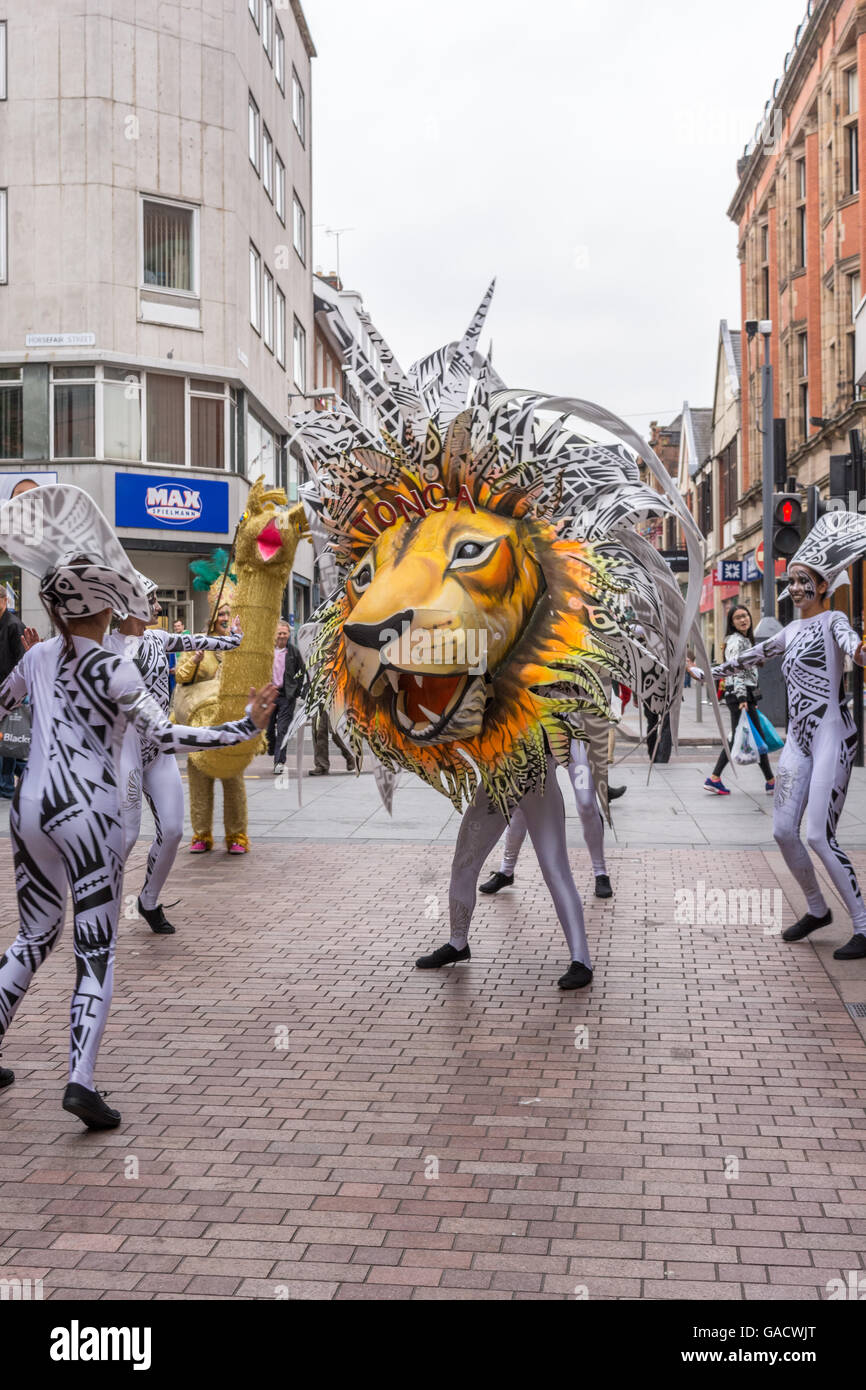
(743, 750)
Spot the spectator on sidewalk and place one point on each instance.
(294, 677)
(281, 641)
(321, 730)
(741, 693)
(11, 652)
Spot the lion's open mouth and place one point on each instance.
(423, 705)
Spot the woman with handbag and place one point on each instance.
(741, 694)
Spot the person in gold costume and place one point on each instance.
(209, 682)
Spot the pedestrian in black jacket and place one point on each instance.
(294, 678)
(11, 652)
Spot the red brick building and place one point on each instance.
(802, 241)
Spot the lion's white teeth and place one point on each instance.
(392, 677)
(419, 681)
(428, 713)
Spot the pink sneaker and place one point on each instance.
(237, 849)
(198, 847)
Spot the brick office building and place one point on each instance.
(802, 236)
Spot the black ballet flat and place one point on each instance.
(496, 881)
(156, 919)
(602, 886)
(89, 1107)
(445, 955)
(806, 925)
(577, 976)
(853, 949)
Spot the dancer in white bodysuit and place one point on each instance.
(147, 771)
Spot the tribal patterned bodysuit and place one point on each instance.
(66, 820)
(815, 763)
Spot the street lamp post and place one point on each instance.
(768, 604)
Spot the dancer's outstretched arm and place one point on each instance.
(753, 656)
(140, 709)
(846, 638)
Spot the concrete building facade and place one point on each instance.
(156, 309)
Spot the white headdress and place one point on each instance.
(58, 533)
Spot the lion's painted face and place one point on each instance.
(434, 608)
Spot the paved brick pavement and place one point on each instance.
(305, 1114)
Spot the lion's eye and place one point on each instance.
(470, 553)
(362, 578)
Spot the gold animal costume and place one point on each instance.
(265, 546)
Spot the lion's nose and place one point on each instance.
(379, 635)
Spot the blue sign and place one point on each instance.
(162, 504)
(750, 569)
(729, 571)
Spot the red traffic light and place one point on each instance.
(786, 512)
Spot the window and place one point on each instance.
(121, 414)
(207, 422)
(728, 480)
(705, 506)
(254, 11)
(11, 413)
(267, 161)
(281, 328)
(169, 244)
(803, 353)
(166, 419)
(852, 92)
(299, 228)
(765, 270)
(4, 259)
(854, 295)
(852, 160)
(279, 56)
(298, 106)
(74, 391)
(254, 134)
(280, 188)
(268, 307)
(255, 289)
(267, 26)
(800, 214)
(299, 356)
(2, 60)
(261, 454)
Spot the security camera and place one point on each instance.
(751, 326)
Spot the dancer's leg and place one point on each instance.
(591, 822)
(235, 811)
(130, 778)
(200, 804)
(793, 776)
(480, 828)
(511, 845)
(832, 758)
(164, 791)
(40, 882)
(545, 816)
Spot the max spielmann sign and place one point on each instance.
(156, 503)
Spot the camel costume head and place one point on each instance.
(484, 571)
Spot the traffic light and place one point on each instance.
(787, 512)
(816, 506)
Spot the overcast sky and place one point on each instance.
(583, 152)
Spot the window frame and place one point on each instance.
(850, 74)
(4, 72)
(267, 162)
(297, 86)
(4, 236)
(9, 383)
(279, 187)
(254, 8)
(298, 208)
(280, 326)
(267, 28)
(255, 116)
(298, 328)
(98, 381)
(255, 260)
(852, 158)
(195, 210)
(267, 308)
(279, 56)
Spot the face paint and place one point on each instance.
(806, 590)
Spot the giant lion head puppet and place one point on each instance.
(488, 582)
